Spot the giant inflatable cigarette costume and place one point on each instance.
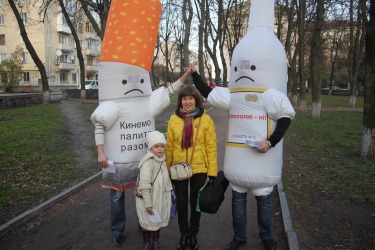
(255, 99)
(127, 105)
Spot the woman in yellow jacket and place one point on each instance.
(181, 137)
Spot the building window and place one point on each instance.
(63, 76)
(89, 62)
(25, 57)
(3, 57)
(1, 18)
(73, 58)
(24, 17)
(80, 27)
(26, 76)
(74, 77)
(62, 39)
(2, 39)
(88, 27)
(65, 58)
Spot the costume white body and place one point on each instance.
(125, 114)
(255, 100)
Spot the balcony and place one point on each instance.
(91, 36)
(65, 47)
(92, 69)
(65, 66)
(92, 52)
(62, 28)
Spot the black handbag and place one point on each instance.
(211, 195)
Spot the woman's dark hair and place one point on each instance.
(189, 90)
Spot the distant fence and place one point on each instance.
(20, 100)
(91, 94)
(14, 100)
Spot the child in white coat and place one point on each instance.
(153, 190)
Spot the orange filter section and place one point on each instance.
(131, 32)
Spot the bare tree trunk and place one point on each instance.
(316, 45)
(79, 49)
(288, 45)
(213, 32)
(39, 64)
(222, 39)
(356, 58)
(187, 15)
(368, 136)
(100, 7)
(301, 68)
(201, 34)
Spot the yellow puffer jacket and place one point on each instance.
(205, 153)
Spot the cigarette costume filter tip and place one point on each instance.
(131, 32)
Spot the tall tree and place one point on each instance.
(78, 46)
(213, 32)
(102, 8)
(170, 22)
(357, 43)
(290, 12)
(236, 23)
(368, 137)
(201, 13)
(315, 70)
(301, 60)
(30, 48)
(187, 16)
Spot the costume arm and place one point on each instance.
(104, 116)
(211, 147)
(176, 86)
(281, 127)
(160, 100)
(280, 109)
(202, 87)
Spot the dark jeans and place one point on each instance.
(117, 212)
(182, 195)
(264, 210)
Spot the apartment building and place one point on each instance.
(53, 41)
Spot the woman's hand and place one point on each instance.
(211, 179)
(192, 66)
(149, 210)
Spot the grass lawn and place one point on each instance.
(332, 101)
(34, 157)
(326, 152)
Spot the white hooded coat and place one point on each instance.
(158, 195)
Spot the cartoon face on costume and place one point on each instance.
(123, 81)
(258, 61)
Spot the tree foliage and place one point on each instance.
(11, 71)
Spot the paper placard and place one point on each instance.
(156, 217)
(110, 169)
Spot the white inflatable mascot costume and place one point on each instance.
(127, 104)
(255, 100)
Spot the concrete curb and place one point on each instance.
(288, 226)
(16, 221)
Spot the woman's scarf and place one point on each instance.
(187, 132)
